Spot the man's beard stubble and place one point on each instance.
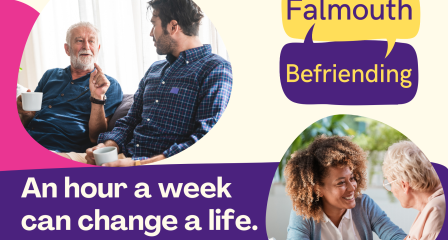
(165, 44)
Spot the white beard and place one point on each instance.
(83, 63)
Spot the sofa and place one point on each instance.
(121, 111)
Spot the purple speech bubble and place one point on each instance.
(344, 73)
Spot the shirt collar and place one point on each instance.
(347, 215)
(69, 72)
(436, 194)
(170, 58)
(326, 219)
(191, 55)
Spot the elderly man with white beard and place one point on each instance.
(77, 101)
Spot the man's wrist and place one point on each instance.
(99, 97)
(111, 143)
(154, 159)
(26, 120)
(29, 115)
(98, 101)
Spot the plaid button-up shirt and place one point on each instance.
(178, 101)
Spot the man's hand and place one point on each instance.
(26, 115)
(154, 159)
(91, 159)
(126, 162)
(98, 83)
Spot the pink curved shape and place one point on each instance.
(19, 150)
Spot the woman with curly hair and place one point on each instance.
(414, 182)
(324, 182)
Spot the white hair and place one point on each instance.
(81, 24)
(405, 161)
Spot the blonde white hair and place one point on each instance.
(81, 24)
(405, 161)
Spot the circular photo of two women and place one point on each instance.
(348, 177)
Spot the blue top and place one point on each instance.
(62, 124)
(367, 217)
(177, 102)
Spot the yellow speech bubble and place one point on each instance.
(352, 20)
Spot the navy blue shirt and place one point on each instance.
(178, 101)
(62, 124)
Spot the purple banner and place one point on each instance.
(249, 190)
(348, 73)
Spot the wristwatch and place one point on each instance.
(96, 101)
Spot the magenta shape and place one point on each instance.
(20, 151)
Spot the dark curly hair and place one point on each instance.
(307, 168)
(187, 14)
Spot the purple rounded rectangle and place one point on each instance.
(344, 73)
(248, 195)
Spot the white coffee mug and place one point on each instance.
(32, 101)
(105, 155)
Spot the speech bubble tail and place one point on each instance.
(309, 35)
(390, 46)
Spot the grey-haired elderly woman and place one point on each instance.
(414, 182)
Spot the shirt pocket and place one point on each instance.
(78, 101)
(178, 108)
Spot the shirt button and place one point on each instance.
(49, 106)
(72, 83)
(137, 145)
(147, 119)
(163, 82)
(62, 95)
(157, 101)
(187, 62)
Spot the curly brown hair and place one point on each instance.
(307, 168)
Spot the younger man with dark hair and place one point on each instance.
(179, 99)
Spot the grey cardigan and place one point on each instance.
(367, 217)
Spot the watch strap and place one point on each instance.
(96, 101)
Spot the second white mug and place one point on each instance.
(105, 155)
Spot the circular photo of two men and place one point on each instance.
(129, 82)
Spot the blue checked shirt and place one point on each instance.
(177, 102)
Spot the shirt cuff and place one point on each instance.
(173, 150)
(103, 137)
(139, 158)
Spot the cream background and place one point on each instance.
(260, 122)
